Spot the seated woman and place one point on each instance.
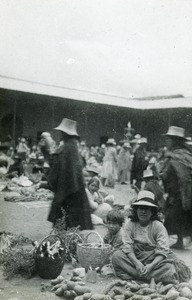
(146, 253)
(97, 203)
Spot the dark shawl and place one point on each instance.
(139, 164)
(176, 176)
(67, 182)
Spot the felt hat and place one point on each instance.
(45, 134)
(137, 136)
(68, 126)
(142, 140)
(175, 131)
(148, 173)
(145, 198)
(111, 141)
(126, 145)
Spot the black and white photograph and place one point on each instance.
(96, 149)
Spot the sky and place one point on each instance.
(125, 48)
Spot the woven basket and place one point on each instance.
(47, 267)
(93, 254)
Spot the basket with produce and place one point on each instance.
(49, 256)
(93, 254)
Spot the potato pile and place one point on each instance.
(69, 289)
(131, 290)
(75, 289)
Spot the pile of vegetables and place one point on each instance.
(76, 289)
(69, 289)
(122, 290)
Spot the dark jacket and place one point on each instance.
(66, 181)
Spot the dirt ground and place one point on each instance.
(30, 220)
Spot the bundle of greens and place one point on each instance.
(16, 255)
(18, 261)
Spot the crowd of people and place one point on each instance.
(80, 177)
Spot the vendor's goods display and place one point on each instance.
(121, 290)
(93, 255)
(50, 256)
(16, 253)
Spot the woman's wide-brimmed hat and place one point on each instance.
(68, 126)
(111, 141)
(175, 131)
(145, 198)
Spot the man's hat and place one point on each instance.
(137, 136)
(111, 141)
(175, 131)
(126, 145)
(142, 140)
(145, 198)
(68, 126)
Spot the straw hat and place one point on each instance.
(126, 145)
(111, 141)
(145, 198)
(148, 173)
(68, 126)
(137, 136)
(176, 131)
(142, 140)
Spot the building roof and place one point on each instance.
(114, 51)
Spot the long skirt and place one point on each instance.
(174, 268)
(125, 269)
(109, 172)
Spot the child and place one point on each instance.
(97, 203)
(114, 236)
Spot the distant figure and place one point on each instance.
(22, 149)
(139, 164)
(109, 168)
(47, 145)
(66, 180)
(124, 164)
